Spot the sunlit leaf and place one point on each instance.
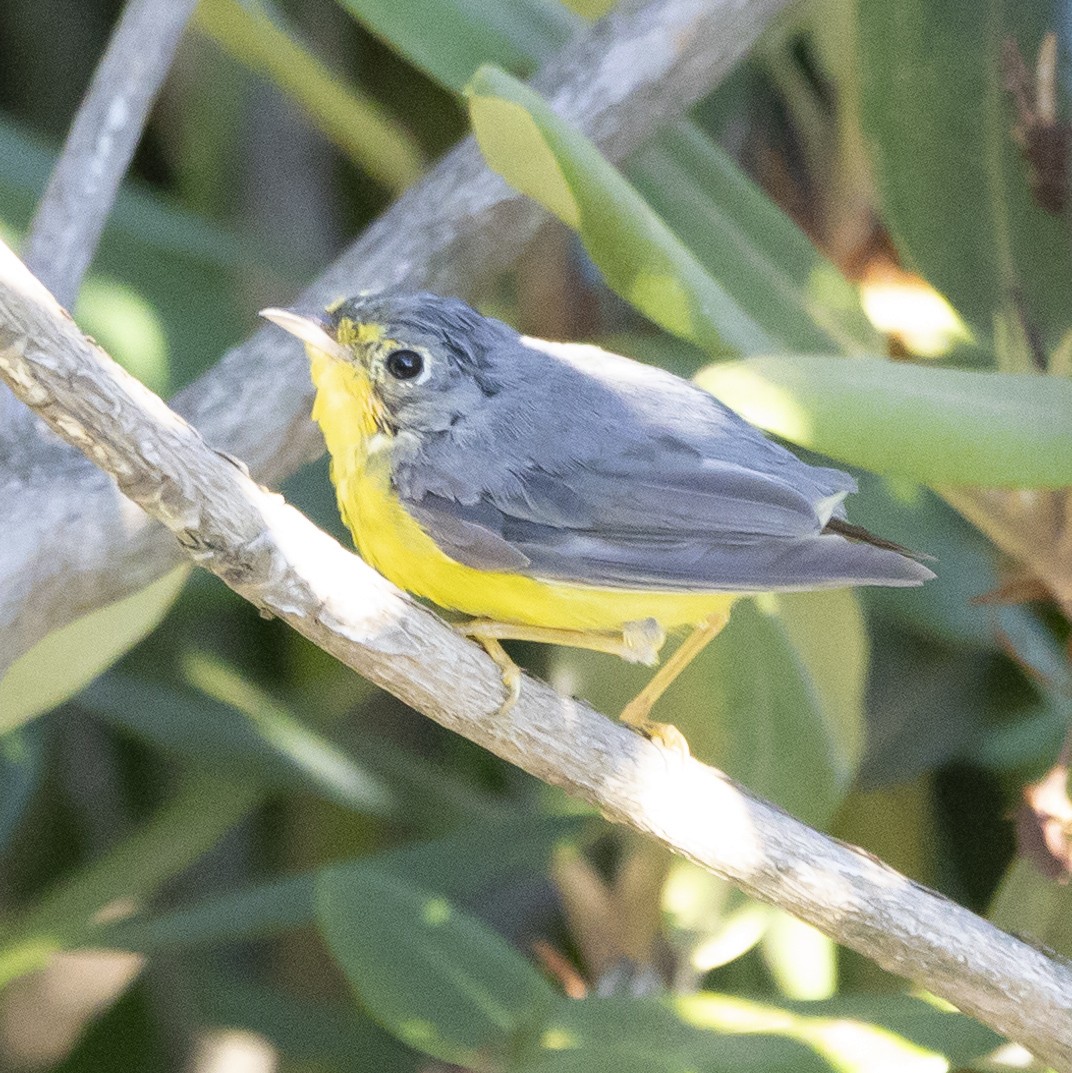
(119, 318)
(545, 158)
(854, 1033)
(707, 919)
(62, 663)
(628, 1035)
(802, 960)
(745, 242)
(769, 266)
(935, 426)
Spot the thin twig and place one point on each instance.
(70, 217)
(73, 544)
(275, 558)
(101, 142)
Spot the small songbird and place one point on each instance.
(560, 493)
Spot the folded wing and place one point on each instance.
(714, 526)
(624, 476)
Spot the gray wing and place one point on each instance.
(640, 481)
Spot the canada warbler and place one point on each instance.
(561, 493)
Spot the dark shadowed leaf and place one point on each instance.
(954, 186)
(459, 865)
(435, 977)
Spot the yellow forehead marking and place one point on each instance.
(350, 332)
(334, 304)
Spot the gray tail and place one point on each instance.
(865, 536)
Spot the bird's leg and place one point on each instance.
(511, 673)
(636, 712)
(639, 642)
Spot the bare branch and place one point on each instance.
(74, 544)
(274, 557)
(100, 144)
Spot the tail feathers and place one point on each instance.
(833, 559)
(865, 536)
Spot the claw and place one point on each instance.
(511, 679)
(665, 735)
(511, 673)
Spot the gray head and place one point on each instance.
(428, 359)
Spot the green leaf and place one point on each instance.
(436, 978)
(776, 700)
(854, 1033)
(759, 255)
(640, 257)
(964, 560)
(160, 268)
(254, 912)
(954, 186)
(480, 854)
(119, 317)
(801, 959)
(935, 426)
(707, 920)
(22, 763)
(828, 635)
(356, 123)
(263, 741)
(1034, 906)
(515, 34)
(458, 865)
(628, 1035)
(62, 663)
(288, 753)
(1025, 737)
(177, 834)
(139, 216)
(769, 266)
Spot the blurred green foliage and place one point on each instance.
(372, 891)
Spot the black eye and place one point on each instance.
(404, 364)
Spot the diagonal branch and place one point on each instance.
(75, 545)
(71, 215)
(279, 561)
(101, 142)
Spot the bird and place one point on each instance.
(561, 493)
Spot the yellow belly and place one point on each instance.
(392, 542)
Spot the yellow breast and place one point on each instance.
(392, 542)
